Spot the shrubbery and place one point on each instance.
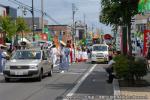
(130, 68)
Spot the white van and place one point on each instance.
(100, 53)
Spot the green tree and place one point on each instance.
(21, 25)
(21, 28)
(7, 27)
(119, 12)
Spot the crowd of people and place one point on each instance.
(64, 56)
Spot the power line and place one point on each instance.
(29, 8)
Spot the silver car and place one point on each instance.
(28, 64)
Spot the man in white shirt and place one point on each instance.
(54, 53)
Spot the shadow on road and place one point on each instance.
(96, 84)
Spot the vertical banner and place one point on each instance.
(146, 42)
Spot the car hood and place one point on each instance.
(23, 62)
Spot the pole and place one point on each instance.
(73, 29)
(33, 21)
(42, 8)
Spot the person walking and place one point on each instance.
(54, 53)
(3, 55)
(89, 52)
(64, 58)
(84, 55)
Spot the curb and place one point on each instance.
(116, 88)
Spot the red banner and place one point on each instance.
(146, 41)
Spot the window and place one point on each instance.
(27, 55)
(100, 48)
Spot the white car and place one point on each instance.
(28, 64)
(100, 53)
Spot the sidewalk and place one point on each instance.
(136, 93)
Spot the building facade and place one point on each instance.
(60, 32)
(37, 22)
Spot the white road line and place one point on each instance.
(116, 89)
(72, 73)
(71, 93)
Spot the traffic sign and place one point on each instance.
(107, 36)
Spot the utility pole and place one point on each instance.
(73, 14)
(24, 12)
(84, 18)
(85, 26)
(33, 21)
(74, 9)
(42, 9)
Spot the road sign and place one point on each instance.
(107, 36)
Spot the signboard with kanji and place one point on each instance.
(146, 41)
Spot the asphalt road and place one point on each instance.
(82, 81)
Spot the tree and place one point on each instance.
(10, 27)
(119, 12)
(7, 26)
(21, 25)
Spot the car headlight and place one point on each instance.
(33, 67)
(7, 67)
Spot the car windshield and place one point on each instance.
(99, 48)
(27, 55)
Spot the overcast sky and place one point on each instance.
(61, 11)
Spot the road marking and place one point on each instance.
(116, 89)
(78, 73)
(80, 82)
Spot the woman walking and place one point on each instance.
(64, 58)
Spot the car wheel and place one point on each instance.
(40, 76)
(7, 79)
(50, 73)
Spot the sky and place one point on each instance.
(61, 11)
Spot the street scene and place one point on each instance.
(61, 86)
(75, 50)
